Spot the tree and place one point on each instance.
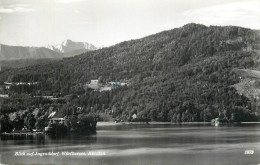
(30, 121)
(18, 122)
(6, 125)
(41, 122)
(100, 79)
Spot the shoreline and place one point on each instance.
(99, 124)
(29, 133)
(110, 123)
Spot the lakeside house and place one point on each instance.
(134, 116)
(56, 117)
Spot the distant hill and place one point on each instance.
(67, 48)
(19, 52)
(184, 74)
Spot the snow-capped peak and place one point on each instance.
(69, 45)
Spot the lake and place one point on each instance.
(140, 144)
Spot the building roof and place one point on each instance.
(94, 82)
(51, 115)
(58, 115)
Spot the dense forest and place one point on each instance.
(181, 75)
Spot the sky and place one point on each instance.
(108, 22)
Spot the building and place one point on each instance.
(114, 83)
(94, 84)
(3, 96)
(7, 85)
(56, 117)
(134, 116)
(117, 83)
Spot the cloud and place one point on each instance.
(4, 10)
(16, 8)
(69, 1)
(85, 23)
(238, 13)
(76, 11)
(58, 9)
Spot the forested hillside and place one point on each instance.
(185, 74)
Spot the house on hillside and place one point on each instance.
(123, 84)
(97, 85)
(94, 84)
(7, 85)
(114, 83)
(134, 116)
(118, 83)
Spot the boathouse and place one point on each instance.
(56, 117)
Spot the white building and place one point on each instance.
(94, 84)
(134, 116)
(56, 117)
(3, 96)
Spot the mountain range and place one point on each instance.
(19, 52)
(67, 48)
(191, 73)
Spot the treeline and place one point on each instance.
(35, 115)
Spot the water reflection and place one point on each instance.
(143, 144)
(42, 139)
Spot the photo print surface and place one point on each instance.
(133, 82)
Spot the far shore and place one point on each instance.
(22, 133)
(110, 123)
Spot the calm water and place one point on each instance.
(139, 144)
